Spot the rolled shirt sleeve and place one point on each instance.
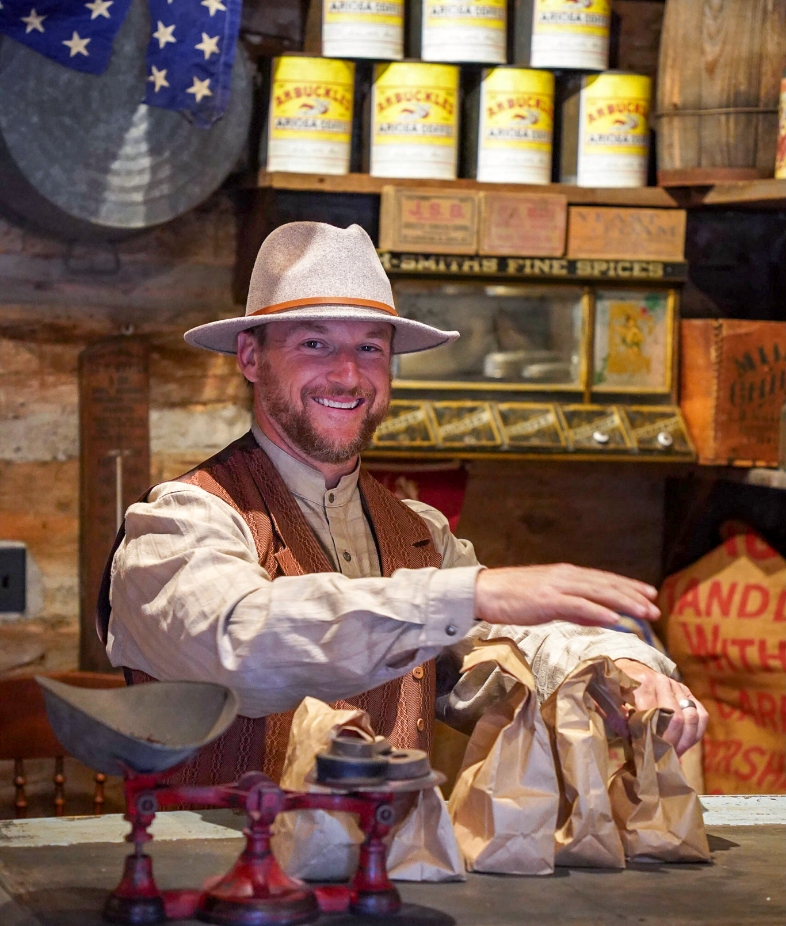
(190, 601)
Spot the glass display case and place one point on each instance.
(541, 338)
(558, 367)
(512, 337)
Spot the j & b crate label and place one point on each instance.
(431, 220)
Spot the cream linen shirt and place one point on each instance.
(190, 601)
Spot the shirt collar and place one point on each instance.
(303, 480)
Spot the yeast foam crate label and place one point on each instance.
(626, 234)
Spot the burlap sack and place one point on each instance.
(586, 835)
(657, 812)
(322, 845)
(726, 629)
(504, 803)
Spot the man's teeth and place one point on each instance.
(333, 403)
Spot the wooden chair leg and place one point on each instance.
(98, 794)
(20, 800)
(59, 781)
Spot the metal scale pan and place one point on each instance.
(83, 158)
(144, 729)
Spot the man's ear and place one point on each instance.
(247, 351)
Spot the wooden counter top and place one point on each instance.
(57, 872)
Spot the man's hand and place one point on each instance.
(526, 595)
(688, 724)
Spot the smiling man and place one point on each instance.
(282, 569)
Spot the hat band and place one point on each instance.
(324, 300)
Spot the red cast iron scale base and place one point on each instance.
(255, 892)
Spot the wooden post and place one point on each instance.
(114, 456)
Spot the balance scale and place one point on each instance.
(145, 731)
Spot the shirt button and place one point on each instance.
(450, 630)
(347, 556)
(418, 672)
(331, 498)
(421, 724)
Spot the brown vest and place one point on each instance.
(243, 476)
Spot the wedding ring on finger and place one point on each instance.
(685, 703)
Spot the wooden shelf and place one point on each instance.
(762, 194)
(364, 183)
(759, 194)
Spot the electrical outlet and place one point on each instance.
(13, 579)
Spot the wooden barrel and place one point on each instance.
(718, 87)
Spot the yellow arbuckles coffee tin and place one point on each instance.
(562, 34)
(356, 29)
(605, 133)
(509, 125)
(414, 120)
(468, 31)
(310, 117)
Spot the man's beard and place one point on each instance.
(296, 425)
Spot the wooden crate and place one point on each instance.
(428, 220)
(630, 234)
(523, 224)
(732, 386)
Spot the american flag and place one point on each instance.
(189, 56)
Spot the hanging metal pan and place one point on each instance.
(82, 158)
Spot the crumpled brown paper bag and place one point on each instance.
(586, 835)
(656, 810)
(424, 847)
(504, 803)
(317, 845)
(323, 845)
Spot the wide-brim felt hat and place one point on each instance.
(311, 271)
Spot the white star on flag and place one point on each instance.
(158, 78)
(213, 5)
(99, 8)
(76, 45)
(200, 88)
(208, 46)
(164, 34)
(33, 21)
